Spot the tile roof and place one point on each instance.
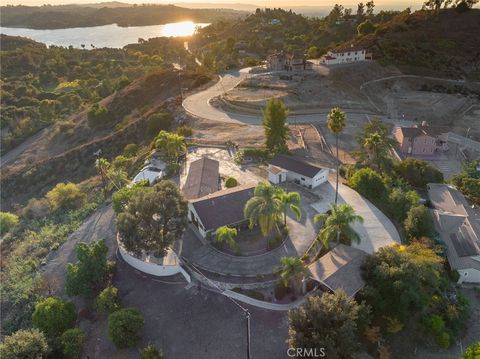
(415, 131)
(202, 178)
(340, 269)
(224, 207)
(296, 165)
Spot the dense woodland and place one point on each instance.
(65, 16)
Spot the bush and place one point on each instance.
(72, 342)
(66, 196)
(24, 344)
(280, 291)
(443, 340)
(275, 241)
(7, 221)
(158, 122)
(36, 208)
(400, 202)
(185, 131)
(472, 352)
(121, 162)
(125, 327)
(419, 223)
(255, 294)
(130, 150)
(418, 173)
(369, 183)
(107, 301)
(231, 182)
(366, 27)
(53, 316)
(150, 352)
(98, 116)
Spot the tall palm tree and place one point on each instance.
(226, 234)
(336, 122)
(377, 147)
(290, 200)
(170, 144)
(293, 270)
(338, 223)
(264, 208)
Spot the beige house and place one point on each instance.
(421, 140)
(458, 225)
(295, 62)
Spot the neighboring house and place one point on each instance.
(345, 54)
(222, 208)
(295, 62)
(283, 168)
(340, 269)
(459, 227)
(203, 178)
(421, 140)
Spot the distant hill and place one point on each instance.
(446, 41)
(68, 16)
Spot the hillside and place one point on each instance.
(65, 151)
(445, 42)
(67, 16)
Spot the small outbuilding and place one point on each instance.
(340, 269)
(283, 168)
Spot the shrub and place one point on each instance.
(125, 327)
(400, 202)
(158, 122)
(255, 294)
(98, 116)
(130, 150)
(24, 344)
(107, 301)
(443, 340)
(280, 291)
(36, 208)
(53, 316)
(7, 221)
(121, 162)
(418, 173)
(368, 183)
(419, 223)
(150, 352)
(185, 131)
(472, 352)
(366, 27)
(275, 241)
(231, 182)
(65, 196)
(72, 342)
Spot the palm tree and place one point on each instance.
(377, 147)
(290, 200)
(337, 224)
(293, 271)
(170, 144)
(336, 122)
(102, 166)
(226, 234)
(264, 208)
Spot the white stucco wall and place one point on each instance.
(346, 57)
(192, 212)
(318, 179)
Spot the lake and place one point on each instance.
(103, 36)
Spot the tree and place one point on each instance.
(370, 5)
(418, 173)
(118, 178)
(336, 122)
(468, 181)
(401, 279)
(226, 235)
(24, 344)
(7, 221)
(328, 323)
(107, 301)
(53, 316)
(290, 200)
(419, 223)
(264, 208)
(150, 352)
(153, 219)
(72, 342)
(90, 272)
(130, 150)
(368, 183)
(360, 12)
(125, 327)
(98, 116)
(275, 126)
(170, 145)
(102, 166)
(158, 122)
(366, 27)
(65, 196)
(400, 202)
(121, 197)
(293, 270)
(313, 52)
(338, 223)
(472, 351)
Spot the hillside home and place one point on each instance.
(345, 54)
(421, 140)
(295, 62)
(283, 168)
(459, 227)
(221, 208)
(203, 178)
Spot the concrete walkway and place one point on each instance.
(377, 230)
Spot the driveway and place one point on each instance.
(186, 322)
(377, 230)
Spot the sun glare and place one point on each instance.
(185, 28)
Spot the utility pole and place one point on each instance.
(247, 315)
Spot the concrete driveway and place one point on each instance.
(377, 230)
